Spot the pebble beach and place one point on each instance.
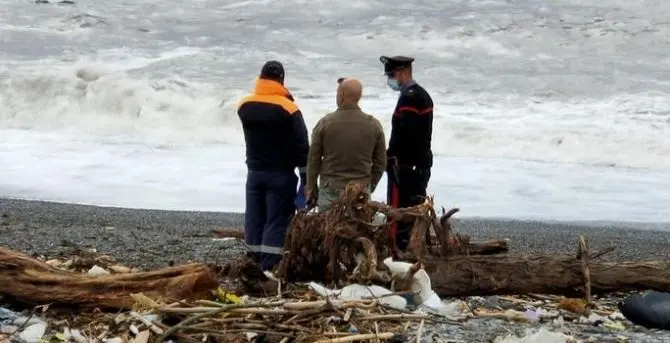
(155, 238)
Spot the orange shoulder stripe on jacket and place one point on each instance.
(271, 92)
(288, 105)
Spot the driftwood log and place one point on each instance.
(29, 280)
(343, 245)
(567, 275)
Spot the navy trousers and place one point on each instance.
(406, 188)
(270, 204)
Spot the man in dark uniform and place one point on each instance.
(409, 154)
(276, 143)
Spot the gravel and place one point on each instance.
(139, 238)
(155, 238)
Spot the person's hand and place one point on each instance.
(312, 197)
(392, 169)
(424, 176)
(300, 200)
(391, 162)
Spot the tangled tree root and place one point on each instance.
(324, 246)
(345, 244)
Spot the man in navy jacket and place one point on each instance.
(276, 143)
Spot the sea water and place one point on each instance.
(543, 109)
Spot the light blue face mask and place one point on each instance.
(393, 84)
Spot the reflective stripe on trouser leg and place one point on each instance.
(254, 214)
(271, 250)
(254, 248)
(280, 206)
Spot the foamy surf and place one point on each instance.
(536, 104)
(100, 100)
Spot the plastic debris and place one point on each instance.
(533, 315)
(33, 333)
(425, 297)
(360, 292)
(7, 316)
(541, 336)
(614, 325)
(601, 321)
(227, 297)
(651, 310)
(98, 271)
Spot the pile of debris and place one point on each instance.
(299, 314)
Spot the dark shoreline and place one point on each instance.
(155, 238)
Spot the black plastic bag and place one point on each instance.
(651, 310)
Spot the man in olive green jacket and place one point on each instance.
(347, 145)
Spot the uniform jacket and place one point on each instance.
(347, 145)
(412, 128)
(274, 129)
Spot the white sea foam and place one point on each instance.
(626, 131)
(536, 104)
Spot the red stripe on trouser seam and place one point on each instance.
(395, 200)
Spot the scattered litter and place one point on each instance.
(98, 271)
(7, 316)
(651, 310)
(533, 315)
(312, 312)
(33, 333)
(360, 292)
(541, 336)
(577, 306)
(425, 297)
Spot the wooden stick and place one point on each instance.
(304, 305)
(147, 322)
(355, 338)
(223, 333)
(225, 307)
(514, 316)
(335, 334)
(260, 311)
(199, 316)
(419, 331)
(337, 303)
(395, 317)
(603, 252)
(347, 314)
(584, 257)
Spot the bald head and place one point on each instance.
(349, 91)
